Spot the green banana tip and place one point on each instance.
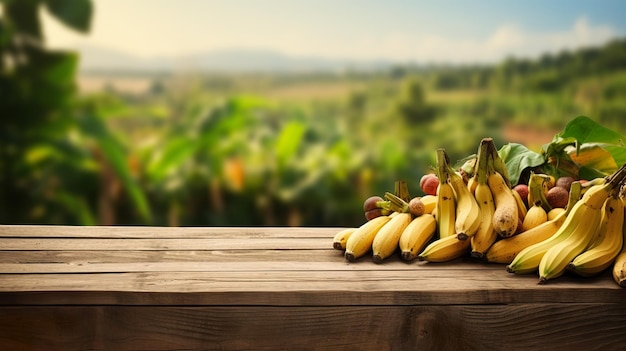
(510, 269)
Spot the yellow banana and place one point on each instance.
(505, 250)
(521, 206)
(534, 217)
(430, 203)
(528, 259)
(555, 260)
(446, 210)
(538, 186)
(386, 240)
(340, 239)
(468, 213)
(445, 249)
(360, 241)
(471, 184)
(619, 265)
(619, 269)
(505, 217)
(602, 253)
(555, 211)
(415, 236)
(446, 202)
(486, 235)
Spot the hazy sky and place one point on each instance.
(420, 31)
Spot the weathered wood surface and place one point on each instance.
(148, 288)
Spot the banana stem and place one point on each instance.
(396, 204)
(482, 163)
(442, 165)
(401, 190)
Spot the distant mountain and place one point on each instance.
(95, 58)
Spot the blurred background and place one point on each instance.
(280, 113)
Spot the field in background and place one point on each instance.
(298, 149)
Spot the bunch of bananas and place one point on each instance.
(483, 217)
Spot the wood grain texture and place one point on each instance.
(480, 327)
(154, 288)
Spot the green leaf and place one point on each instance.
(75, 14)
(177, 151)
(93, 126)
(518, 157)
(25, 17)
(585, 130)
(289, 141)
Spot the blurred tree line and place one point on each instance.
(221, 149)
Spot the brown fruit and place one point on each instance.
(416, 206)
(370, 203)
(371, 214)
(429, 183)
(565, 182)
(557, 197)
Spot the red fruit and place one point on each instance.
(429, 183)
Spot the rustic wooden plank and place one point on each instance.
(506, 327)
(103, 256)
(271, 261)
(147, 232)
(319, 288)
(76, 244)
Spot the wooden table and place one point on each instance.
(156, 288)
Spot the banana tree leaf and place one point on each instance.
(92, 125)
(75, 14)
(177, 151)
(289, 141)
(518, 157)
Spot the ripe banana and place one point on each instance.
(619, 266)
(471, 184)
(416, 235)
(360, 241)
(505, 217)
(528, 259)
(445, 249)
(386, 240)
(468, 213)
(619, 269)
(446, 210)
(534, 217)
(602, 253)
(340, 239)
(555, 260)
(430, 203)
(505, 250)
(486, 235)
(555, 211)
(446, 202)
(521, 206)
